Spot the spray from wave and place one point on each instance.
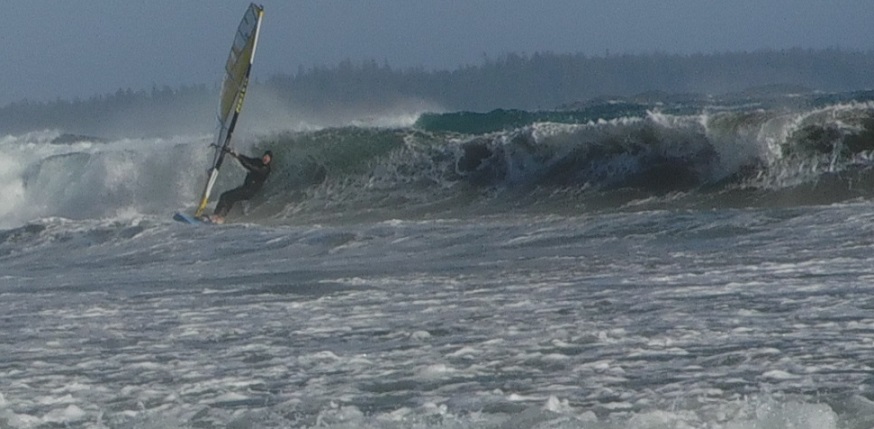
(51, 174)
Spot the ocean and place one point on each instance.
(669, 263)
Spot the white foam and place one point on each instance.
(69, 414)
(779, 375)
(465, 352)
(436, 371)
(420, 336)
(230, 397)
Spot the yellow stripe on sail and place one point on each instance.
(239, 60)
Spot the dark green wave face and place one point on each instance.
(500, 119)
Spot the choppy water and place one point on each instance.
(732, 318)
(407, 286)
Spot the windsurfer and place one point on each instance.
(259, 170)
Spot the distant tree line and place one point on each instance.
(547, 80)
(161, 111)
(519, 81)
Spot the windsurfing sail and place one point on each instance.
(236, 80)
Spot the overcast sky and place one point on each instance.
(69, 48)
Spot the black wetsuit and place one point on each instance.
(258, 172)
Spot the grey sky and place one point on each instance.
(68, 48)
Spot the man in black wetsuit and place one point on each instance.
(258, 169)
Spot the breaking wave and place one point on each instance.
(620, 158)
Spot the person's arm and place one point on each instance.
(251, 164)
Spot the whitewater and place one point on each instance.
(619, 266)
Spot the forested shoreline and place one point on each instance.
(539, 81)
